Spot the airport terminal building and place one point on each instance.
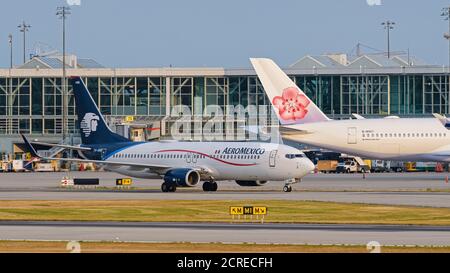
(370, 85)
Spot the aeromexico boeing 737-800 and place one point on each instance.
(180, 164)
(392, 138)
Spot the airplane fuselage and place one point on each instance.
(220, 160)
(405, 139)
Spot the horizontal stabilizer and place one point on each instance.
(78, 148)
(153, 167)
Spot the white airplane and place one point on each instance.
(391, 138)
(180, 164)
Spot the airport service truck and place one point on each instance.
(352, 164)
(380, 166)
(327, 166)
(18, 166)
(397, 166)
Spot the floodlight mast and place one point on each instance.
(62, 13)
(388, 25)
(24, 28)
(446, 14)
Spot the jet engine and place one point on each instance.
(182, 177)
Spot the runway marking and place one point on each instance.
(234, 226)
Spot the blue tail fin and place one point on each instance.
(93, 127)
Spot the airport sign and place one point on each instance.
(248, 210)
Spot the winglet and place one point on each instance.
(358, 116)
(30, 147)
(443, 119)
(439, 116)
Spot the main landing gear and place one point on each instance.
(210, 186)
(168, 187)
(287, 186)
(172, 187)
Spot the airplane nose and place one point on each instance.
(310, 166)
(306, 166)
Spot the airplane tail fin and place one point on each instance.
(291, 105)
(93, 127)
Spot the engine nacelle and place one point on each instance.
(182, 177)
(247, 183)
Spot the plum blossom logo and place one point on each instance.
(89, 124)
(292, 104)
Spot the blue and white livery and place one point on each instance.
(181, 164)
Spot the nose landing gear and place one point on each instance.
(287, 185)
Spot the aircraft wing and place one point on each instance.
(159, 169)
(153, 168)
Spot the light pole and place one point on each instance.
(446, 14)
(24, 28)
(388, 25)
(62, 13)
(10, 40)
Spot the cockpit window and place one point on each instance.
(292, 156)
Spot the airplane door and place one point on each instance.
(188, 157)
(273, 158)
(351, 135)
(191, 158)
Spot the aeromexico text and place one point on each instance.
(224, 123)
(245, 151)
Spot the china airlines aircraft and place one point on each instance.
(180, 164)
(391, 138)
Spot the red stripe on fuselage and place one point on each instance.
(217, 159)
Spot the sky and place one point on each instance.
(223, 33)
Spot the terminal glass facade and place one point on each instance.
(33, 105)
